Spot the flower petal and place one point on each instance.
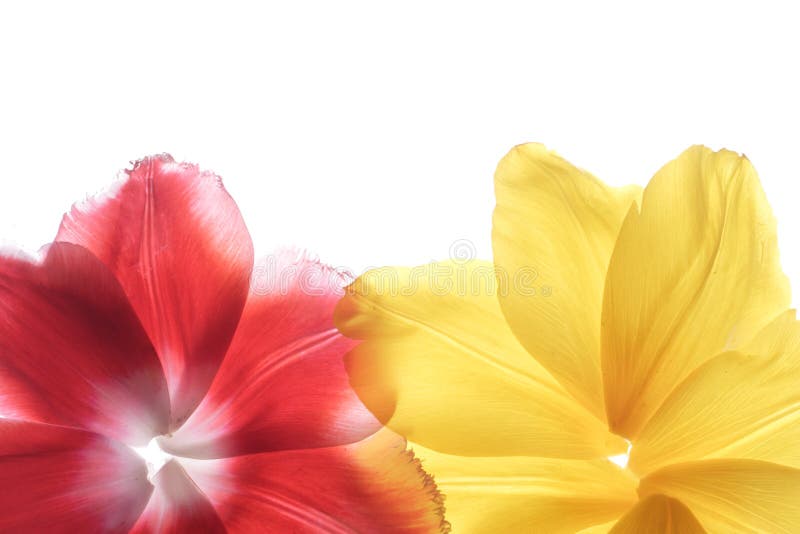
(658, 514)
(440, 366)
(528, 494)
(283, 383)
(371, 486)
(695, 273)
(601, 528)
(554, 228)
(177, 243)
(734, 406)
(177, 505)
(72, 351)
(57, 479)
(730, 495)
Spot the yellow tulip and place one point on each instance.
(613, 321)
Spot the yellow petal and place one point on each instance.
(658, 514)
(734, 405)
(554, 228)
(440, 366)
(526, 494)
(603, 528)
(695, 273)
(780, 339)
(729, 495)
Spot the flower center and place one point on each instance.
(622, 459)
(154, 457)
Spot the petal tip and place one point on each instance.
(432, 490)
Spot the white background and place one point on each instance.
(369, 132)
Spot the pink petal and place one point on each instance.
(283, 383)
(56, 479)
(371, 486)
(73, 352)
(177, 243)
(177, 505)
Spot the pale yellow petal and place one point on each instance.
(729, 495)
(658, 514)
(695, 273)
(734, 406)
(440, 366)
(516, 494)
(554, 228)
(779, 339)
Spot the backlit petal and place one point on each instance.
(72, 350)
(57, 479)
(440, 366)
(694, 273)
(602, 528)
(371, 486)
(177, 243)
(526, 494)
(283, 384)
(733, 495)
(734, 405)
(658, 514)
(554, 228)
(177, 506)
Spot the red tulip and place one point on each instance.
(141, 321)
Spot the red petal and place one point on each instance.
(72, 351)
(176, 241)
(371, 486)
(177, 505)
(56, 479)
(283, 384)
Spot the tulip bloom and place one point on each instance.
(612, 321)
(140, 322)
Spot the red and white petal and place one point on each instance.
(283, 384)
(375, 485)
(73, 352)
(177, 505)
(178, 245)
(57, 479)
